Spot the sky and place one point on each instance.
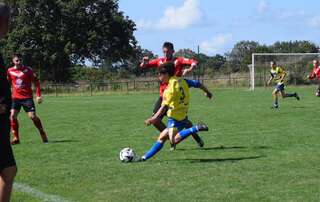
(217, 25)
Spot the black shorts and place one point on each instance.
(6, 154)
(27, 104)
(157, 106)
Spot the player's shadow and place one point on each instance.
(208, 160)
(62, 141)
(224, 148)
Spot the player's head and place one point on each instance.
(17, 59)
(4, 19)
(273, 64)
(315, 63)
(166, 70)
(168, 50)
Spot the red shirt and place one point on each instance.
(315, 73)
(21, 81)
(179, 64)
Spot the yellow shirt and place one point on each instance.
(277, 73)
(176, 97)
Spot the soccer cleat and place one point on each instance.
(172, 147)
(297, 96)
(139, 159)
(200, 143)
(44, 137)
(15, 141)
(202, 127)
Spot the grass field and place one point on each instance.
(252, 153)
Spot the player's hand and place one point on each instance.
(145, 61)
(268, 82)
(148, 121)
(185, 72)
(39, 100)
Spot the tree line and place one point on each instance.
(60, 38)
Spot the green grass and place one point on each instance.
(252, 153)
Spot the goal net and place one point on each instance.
(296, 65)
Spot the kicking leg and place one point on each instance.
(275, 99)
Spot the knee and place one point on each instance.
(33, 117)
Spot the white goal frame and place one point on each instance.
(252, 65)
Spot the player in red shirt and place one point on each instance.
(182, 67)
(316, 73)
(21, 78)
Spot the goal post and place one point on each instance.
(297, 65)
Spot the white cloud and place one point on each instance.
(215, 44)
(175, 18)
(263, 6)
(314, 22)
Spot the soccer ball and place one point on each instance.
(318, 94)
(126, 155)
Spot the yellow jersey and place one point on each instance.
(176, 97)
(277, 73)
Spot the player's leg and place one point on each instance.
(275, 98)
(14, 123)
(156, 147)
(6, 182)
(7, 163)
(195, 136)
(318, 90)
(285, 95)
(29, 107)
(194, 129)
(159, 125)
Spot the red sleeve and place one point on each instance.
(313, 74)
(187, 61)
(152, 63)
(36, 83)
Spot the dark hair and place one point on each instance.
(167, 67)
(18, 55)
(168, 45)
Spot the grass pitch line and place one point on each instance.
(21, 187)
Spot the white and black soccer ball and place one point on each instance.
(127, 155)
(318, 94)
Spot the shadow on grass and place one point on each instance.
(62, 141)
(224, 148)
(207, 160)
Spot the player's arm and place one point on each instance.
(313, 74)
(189, 63)
(270, 79)
(283, 75)
(147, 63)
(36, 83)
(162, 110)
(198, 84)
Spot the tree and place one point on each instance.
(54, 34)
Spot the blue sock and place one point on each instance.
(186, 132)
(154, 149)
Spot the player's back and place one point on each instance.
(177, 96)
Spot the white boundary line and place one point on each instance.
(21, 187)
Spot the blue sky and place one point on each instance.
(217, 25)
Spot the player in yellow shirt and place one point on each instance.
(175, 103)
(278, 74)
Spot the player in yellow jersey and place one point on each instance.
(278, 74)
(176, 104)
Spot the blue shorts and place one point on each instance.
(179, 125)
(280, 87)
(193, 83)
